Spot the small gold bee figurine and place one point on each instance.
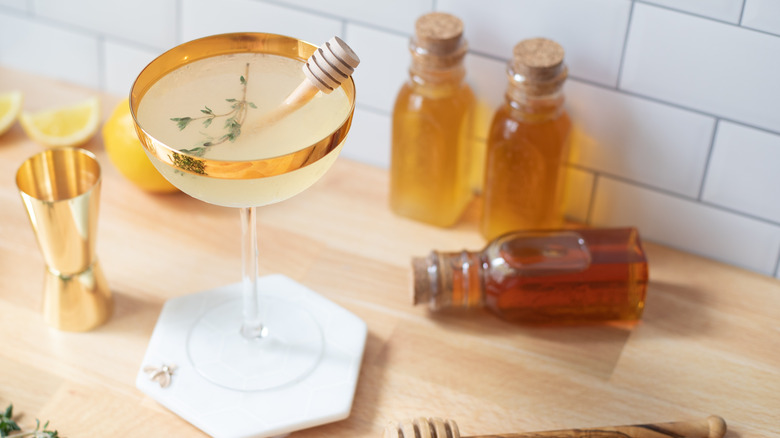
(161, 375)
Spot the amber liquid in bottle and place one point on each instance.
(524, 176)
(528, 144)
(429, 180)
(542, 276)
(431, 134)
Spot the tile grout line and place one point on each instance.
(102, 63)
(777, 265)
(692, 14)
(80, 30)
(637, 95)
(742, 13)
(707, 160)
(636, 183)
(671, 104)
(592, 200)
(715, 20)
(641, 96)
(597, 174)
(373, 109)
(331, 16)
(743, 214)
(623, 51)
(179, 27)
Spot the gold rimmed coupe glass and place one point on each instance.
(198, 110)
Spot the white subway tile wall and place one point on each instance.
(724, 10)
(743, 171)
(383, 66)
(20, 5)
(146, 22)
(645, 141)
(762, 15)
(204, 17)
(674, 102)
(712, 67)
(123, 62)
(370, 143)
(38, 46)
(592, 31)
(396, 15)
(675, 221)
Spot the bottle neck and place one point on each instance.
(534, 108)
(436, 82)
(434, 69)
(449, 280)
(533, 94)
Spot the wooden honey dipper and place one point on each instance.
(329, 66)
(710, 427)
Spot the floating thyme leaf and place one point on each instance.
(182, 121)
(234, 119)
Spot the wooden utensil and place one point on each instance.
(710, 427)
(333, 63)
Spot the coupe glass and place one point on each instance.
(268, 341)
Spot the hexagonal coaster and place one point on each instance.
(322, 395)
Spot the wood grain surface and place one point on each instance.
(709, 341)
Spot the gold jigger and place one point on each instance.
(60, 189)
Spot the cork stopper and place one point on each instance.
(438, 40)
(537, 63)
(330, 65)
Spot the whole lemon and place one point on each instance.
(127, 153)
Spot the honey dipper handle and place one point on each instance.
(711, 427)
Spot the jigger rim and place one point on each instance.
(27, 183)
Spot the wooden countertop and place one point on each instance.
(709, 341)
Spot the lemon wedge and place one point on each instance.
(10, 105)
(127, 153)
(69, 125)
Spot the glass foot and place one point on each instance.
(289, 351)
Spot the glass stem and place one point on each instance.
(252, 327)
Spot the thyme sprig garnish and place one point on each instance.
(234, 119)
(9, 428)
(7, 423)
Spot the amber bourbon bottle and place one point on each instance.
(432, 122)
(528, 144)
(565, 276)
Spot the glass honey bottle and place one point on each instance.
(528, 144)
(566, 276)
(431, 128)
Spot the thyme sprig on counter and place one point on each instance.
(9, 428)
(234, 119)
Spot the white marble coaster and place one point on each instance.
(323, 395)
